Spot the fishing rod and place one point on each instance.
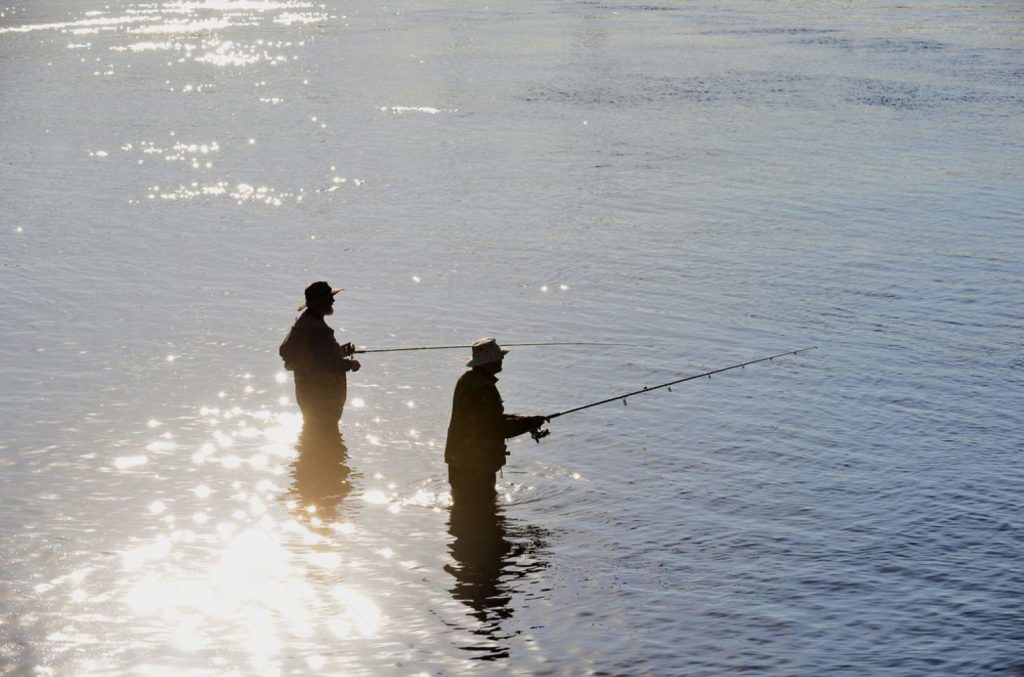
(554, 343)
(539, 433)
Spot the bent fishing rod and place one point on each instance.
(539, 433)
(551, 343)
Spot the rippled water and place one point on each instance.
(721, 181)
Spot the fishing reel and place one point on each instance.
(539, 433)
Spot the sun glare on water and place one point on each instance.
(225, 568)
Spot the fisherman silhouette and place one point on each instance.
(318, 361)
(475, 449)
(489, 555)
(321, 478)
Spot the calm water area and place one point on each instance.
(717, 180)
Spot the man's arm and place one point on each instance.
(516, 424)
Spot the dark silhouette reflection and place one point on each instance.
(492, 554)
(320, 474)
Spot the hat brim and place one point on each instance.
(480, 361)
(334, 292)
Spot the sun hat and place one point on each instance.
(485, 351)
(318, 290)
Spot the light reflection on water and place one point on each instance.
(226, 573)
(199, 33)
(163, 18)
(257, 544)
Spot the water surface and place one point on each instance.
(722, 181)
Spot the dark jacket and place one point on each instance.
(310, 349)
(479, 425)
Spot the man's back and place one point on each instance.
(476, 436)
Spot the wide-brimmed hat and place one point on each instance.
(485, 351)
(317, 290)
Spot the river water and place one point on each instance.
(717, 180)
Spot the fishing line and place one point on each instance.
(553, 343)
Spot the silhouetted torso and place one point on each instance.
(475, 446)
(320, 367)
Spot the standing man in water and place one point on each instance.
(319, 362)
(475, 449)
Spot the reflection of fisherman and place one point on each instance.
(490, 554)
(479, 426)
(321, 475)
(482, 566)
(318, 360)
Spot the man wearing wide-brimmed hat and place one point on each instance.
(475, 449)
(318, 361)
